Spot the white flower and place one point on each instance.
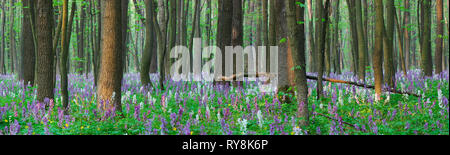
(218, 117)
(207, 111)
(134, 99)
(388, 98)
(260, 119)
(440, 99)
(141, 105)
(298, 131)
(243, 125)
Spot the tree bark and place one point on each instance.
(378, 49)
(44, 52)
(312, 54)
(297, 43)
(336, 44)
(265, 32)
(425, 47)
(224, 28)
(28, 50)
(81, 41)
(321, 28)
(354, 35)
(66, 30)
(109, 88)
(149, 39)
(388, 45)
(3, 48)
(400, 45)
(97, 51)
(124, 7)
(406, 38)
(440, 35)
(361, 42)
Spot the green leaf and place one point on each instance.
(283, 40)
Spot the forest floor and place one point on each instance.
(202, 109)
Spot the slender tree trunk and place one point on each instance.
(237, 37)
(2, 54)
(354, 34)
(97, 51)
(272, 24)
(12, 39)
(440, 35)
(312, 55)
(172, 27)
(109, 88)
(66, 30)
(265, 32)
(388, 45)
(400, 45)
(195, 32)
(361, 42)
(378, 49)
(406, 40)
(44, 52)
(80, 36)
(208, 26)
(124, 7)
(149, 39)
(321, 28)
(336, 45)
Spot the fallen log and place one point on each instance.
(361, 85)
(262, 74)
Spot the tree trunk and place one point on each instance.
(361, 42)
(272, 24)
(12, 39)
(425, 46)
(224, 28)
(440, 35)
(406, 40)
(312, 54)
(195, 32)
(283, 49)
(354, 35)
(81, 40)
(28, 50)
(388, 45)
(66, 30)
(237, 24)
(336, 44)
(378, 49)
(172, 27)
(2, 54)
(400, 45)
(44, 52)
(97, 51)
(109, 88)
(237, 38)
(321, 28)
(297, 43)
(149, 39)
(124, 7)
(265, 32)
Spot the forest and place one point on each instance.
(335, 67)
